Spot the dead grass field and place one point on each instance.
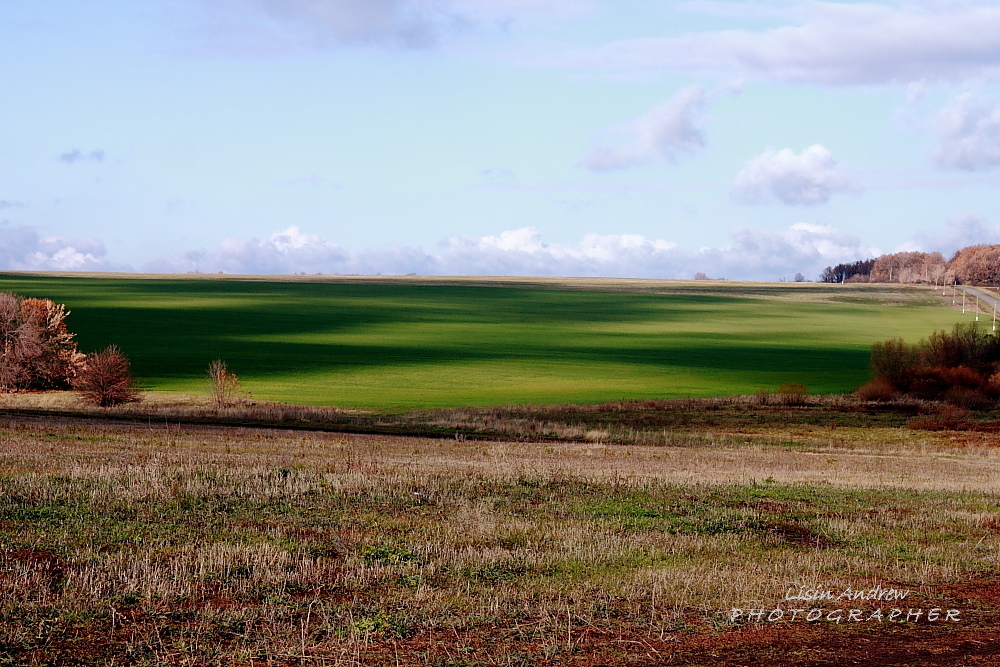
(148, 543)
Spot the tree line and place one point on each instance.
(973, 265)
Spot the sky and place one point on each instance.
(629, 138)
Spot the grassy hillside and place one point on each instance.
(411, 343)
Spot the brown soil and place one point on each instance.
(975, 640)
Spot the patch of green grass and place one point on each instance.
(395, 345)
(388, 555)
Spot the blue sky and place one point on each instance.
(745, 140)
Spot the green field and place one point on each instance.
(397, 343)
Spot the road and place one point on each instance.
(989, 300)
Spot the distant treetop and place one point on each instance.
(974, 265)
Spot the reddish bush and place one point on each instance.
(36, 349)
(949, 418)
(966, 345)
(106, 379)
(879, 389)
(964, 397)
(962, 377)
(960, 366)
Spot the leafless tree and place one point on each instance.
(978, 264)
(908, 267)
(223, 384)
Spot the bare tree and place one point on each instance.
(106, 379)
(977, 265)
(908, 267)
(223, 384)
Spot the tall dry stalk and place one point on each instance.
(223, 384)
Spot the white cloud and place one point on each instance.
(802, 247)
(664, 132)
(840, 43)
(754, 254)
(959, 231)
(808, 178)
(522, 252)
(21, 249)
(971, 135)
(292, 251)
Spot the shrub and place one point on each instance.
(928, 384)
(793, 393)
(36, 349)
(966, 345)
(106, 379)
(223, 383)
(949, 418)
(964, 397)
(958, 366)
(993, 384)
(879, 389)
(895, 361)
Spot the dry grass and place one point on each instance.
(644, 422)
(163, 544)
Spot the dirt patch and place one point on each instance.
(50, 566)
(779, 646)
(797, 534)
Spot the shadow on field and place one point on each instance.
(171, 329)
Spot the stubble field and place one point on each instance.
(148, 543)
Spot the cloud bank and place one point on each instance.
(971, 135)
(753, 254)
(832, 43)
(959, 232)
(22, 249)
(805, 179)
